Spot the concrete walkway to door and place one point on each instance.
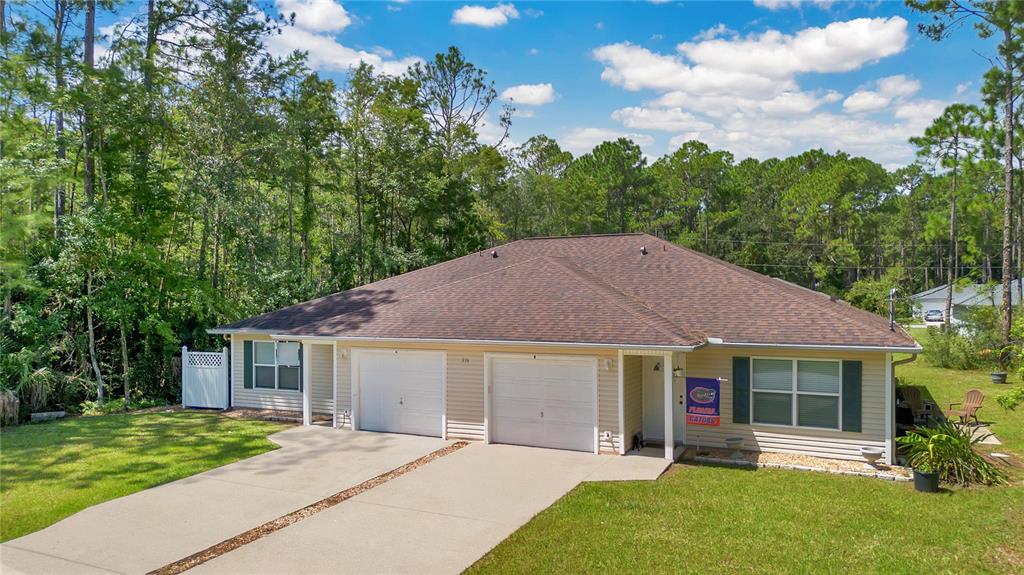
(439, 518)
(154, 527)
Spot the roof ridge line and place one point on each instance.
(590, 279)
(613, 234)
(775, 284)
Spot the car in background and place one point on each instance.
(933, 315)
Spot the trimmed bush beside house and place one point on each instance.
(947, 449)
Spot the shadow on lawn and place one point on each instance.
(147, 444)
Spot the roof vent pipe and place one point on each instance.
(494, 253)
(643, 250)
(892, 309)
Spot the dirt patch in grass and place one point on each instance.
(228, 545)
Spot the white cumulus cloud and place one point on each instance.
(529, 94)
(780, 4)
(316, 15)
(742, 93)
(324, 52)
(582, 140)
(498, 15)
(887, 90)
(663, 119)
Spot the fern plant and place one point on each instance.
(947, 448)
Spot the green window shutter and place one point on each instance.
(741, 390)
(852, 371)
(247, 363)
(300, 368)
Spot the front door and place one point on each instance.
(654, 402)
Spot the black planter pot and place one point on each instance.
(998, 376)
(926, 482)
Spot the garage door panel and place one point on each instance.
(567, 391)
(516, 407)
(401, 392)
(518, 432)
(561, 436)
(543, 402)
(580, 413)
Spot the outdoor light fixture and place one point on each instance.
(657, 366)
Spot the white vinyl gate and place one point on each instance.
(204, 378)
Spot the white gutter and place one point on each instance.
(484, 342)
(904, 360)
(229, 331)
(718, 342)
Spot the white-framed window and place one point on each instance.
(796, 392)
(276, 365)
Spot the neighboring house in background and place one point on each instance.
(965, 297)
(580, 343)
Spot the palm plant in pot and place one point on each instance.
(945, 451)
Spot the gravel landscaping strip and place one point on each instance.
(800, 463)
(182, 565)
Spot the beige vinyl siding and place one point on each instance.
(465, 395)
(465, 384)
(608, 402)
(632, 393)
(717, 362)
(321, 381)
(343, 364)
(285, 400)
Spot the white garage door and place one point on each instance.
(400, 391)
(543, 402)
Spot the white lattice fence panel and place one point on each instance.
(206, 359)
(204, 378)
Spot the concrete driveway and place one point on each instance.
(439, 518)
(152, 528)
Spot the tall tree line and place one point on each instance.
(186, 178)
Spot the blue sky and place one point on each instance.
(763, 78)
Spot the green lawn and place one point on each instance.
(51, 470)
(708, 519)
(724, 520)
(949, 385)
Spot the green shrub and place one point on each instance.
(117, 406)
(953, 349)
(1011, 399)
(947, 448)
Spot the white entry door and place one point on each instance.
(654, 403)
(543, 402)
(400, 391)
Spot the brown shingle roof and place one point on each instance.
(586, 289)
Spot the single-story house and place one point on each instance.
(965, 297)
(581, 343)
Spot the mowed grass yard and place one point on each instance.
(705, 519)
(49, 471)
